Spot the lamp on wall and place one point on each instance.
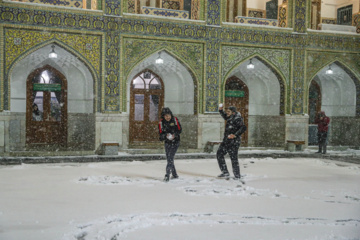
(53, 54)
(250, 65)
(329, 71)
(159, 60)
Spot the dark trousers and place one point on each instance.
(170, 150)
(232, 149)
(322, 139)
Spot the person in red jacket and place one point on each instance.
(323, 126)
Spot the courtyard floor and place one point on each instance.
(287, 198)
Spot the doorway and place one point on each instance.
(314, 101)
(237, 94)
(146, 103)
(46, 108)
(314, 108)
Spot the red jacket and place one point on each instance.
(323, 124)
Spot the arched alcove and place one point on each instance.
(180, 91)
(340, 91)
(266, 107)
(80, 92)
(266, 88)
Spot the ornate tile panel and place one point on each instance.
(356, 22)
(113, 7)
(350, 63)
(162, 12)
(256, 21)
(131, 6)
(298, 83)
(112, 87)
(19, 41)
(64, 3)
(172, 4)
(328, 20)
(283, 15)
(255, 13)
(316, 60)
(300, 16)
(195, 9)
(233, 55)
(212, 75)
(213, 12)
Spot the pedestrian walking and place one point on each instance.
(169, 130)
(231, 142)
(323, 126)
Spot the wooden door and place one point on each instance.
(46, 108)
(314, 101)
(146, 102)
(237, 94)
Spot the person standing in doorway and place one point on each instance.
(231, 142)
(169, 130)
(323, 126)
(36, 114)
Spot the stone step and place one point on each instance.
(47, 153)
(136, 151)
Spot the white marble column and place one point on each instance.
(297, 128)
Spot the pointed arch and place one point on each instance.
(7, 94)
(177, 58)
(52, 127)
(273, 69)
(348, 71)
(314, 100)
(146, 103)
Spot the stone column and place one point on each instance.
(211, 96)
(4, 132)
(112, 128)
(297, 121)
(210, 128)
(297, 128)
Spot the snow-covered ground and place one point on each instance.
(281, 199)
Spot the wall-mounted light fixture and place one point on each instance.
(53, 54)
(329, 71)
(250, 65)
(159, 60)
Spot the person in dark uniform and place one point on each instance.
(323, 126)
(169, 130)
(231, 142)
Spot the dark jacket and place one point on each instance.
(323, 125)
(234, 125)
(173, 126)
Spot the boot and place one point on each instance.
(324, 150)
(319, 149)
(224, 175)
(166, 178)
(174, 174)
